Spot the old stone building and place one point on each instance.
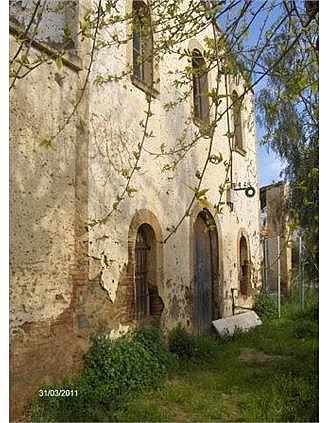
(93, 249)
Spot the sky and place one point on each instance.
(270, 166)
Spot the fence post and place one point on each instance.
(266, 264)
(300, 272)
(279, 276)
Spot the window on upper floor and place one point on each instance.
(237, 121)
(200, 88)
(142, 44)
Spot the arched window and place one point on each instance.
(236, 113)
(200, 87)
(244, 271)
(142, 44)
(147, 302)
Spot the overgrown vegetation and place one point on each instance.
(267, 374)
(265, 306)
(181, 342)
(114, 370)
(190, 347)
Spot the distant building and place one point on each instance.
(274, 224)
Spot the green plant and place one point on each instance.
(181, 342)
(305, 328)
(215, 379)
(265, 306)
(207, 347)
(114, 371)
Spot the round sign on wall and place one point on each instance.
(250, 192)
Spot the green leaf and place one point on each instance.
(125, 173)
(59, 61)
(192, 189)
(46, 143)
(201, 193)
(204, 203)
(68, 31)
(216, 159)
(315, 86)
(131, 191)
(84, 25)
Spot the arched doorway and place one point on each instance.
(206, 271)
(244, 267)
(148, 304)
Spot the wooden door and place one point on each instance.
(203, 281)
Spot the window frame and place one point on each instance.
(142, 75)
(201, 107)
(238, 138)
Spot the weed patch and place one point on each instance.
(113, 372)
(267, 374)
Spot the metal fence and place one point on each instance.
(277, 268)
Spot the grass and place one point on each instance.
(224, 387)
(268, 374)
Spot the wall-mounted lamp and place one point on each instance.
(249, 191)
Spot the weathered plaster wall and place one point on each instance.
(54, 22)
(48, 201)
(117, 109)
(44, 195)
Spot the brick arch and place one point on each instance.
(146, 219)
(244, 273)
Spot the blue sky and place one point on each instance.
(270, 166)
